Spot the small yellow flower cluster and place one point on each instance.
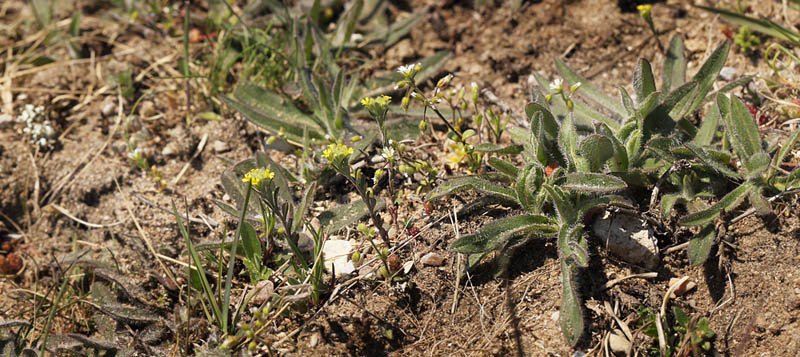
(377, 104)
(257, 175)
(336, 152)
(644, 10)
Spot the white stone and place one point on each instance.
(727, 73)
(628, 238)
(432, 259)
(335, 254)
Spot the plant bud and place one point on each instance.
(423, 125)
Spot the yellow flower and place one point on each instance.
(377, 104)
(257, 175)
(336, 152)
(644, 9)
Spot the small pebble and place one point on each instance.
(146, 108)
(265, 289)
(727, 73)
(109, 109)
(432, 259)
(684, 288)
(170, 149)
(220, 146)
(618, 342)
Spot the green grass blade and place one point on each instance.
(229, 278)
(209, 293)
(781, 155)
(764, 26)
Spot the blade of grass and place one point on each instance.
(229, 278)
(197, 262)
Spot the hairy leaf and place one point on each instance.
(504, 166)
(347, 214)
(674, 71)
(707, 74)
(731, 200)
(498, 149)
(494, 235)
(593, 182)
(700, 246)
(571, 317)
(589, 90)
(471, 182)
(597, 149)
(644, 83)
(708, 128)
(742, 131)
(667, 202)
(566, 212)
(711, 161)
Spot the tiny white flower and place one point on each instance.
(388, 153)
(474, 85)
(406, 70)
(135, 154)
(557, 84)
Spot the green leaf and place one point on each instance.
(522, 189)
(494, 235)
(273, 113)
(757, 165)
(597, 149)
(644, 83)
(568, 140)
(300, 210)
(620, 162)
(566, 212)
(347, 214)
(251, 244)
(237, 190)
(402, 129)
(674, 71)
(471, 182)
(547, 121)
(662, 119)
(707, 74)
(588, 205)
(43, 11)
(498, 149)
(504, 166)
(742, 131)
(593, 182)
(571, 316)
(711, 161)
(700, 246)
(708, 128)
(667, 202)
(731, 200)
(588, 90)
